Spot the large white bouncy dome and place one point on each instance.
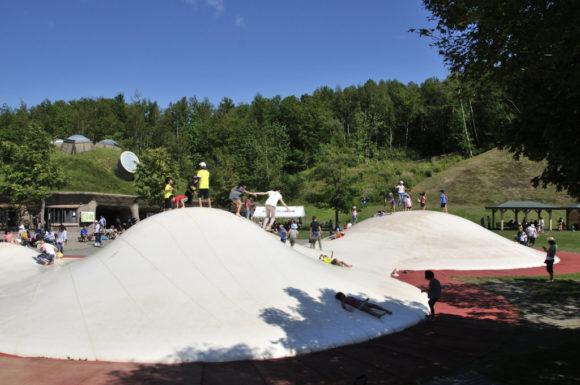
(200, 284)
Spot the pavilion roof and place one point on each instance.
(520, 205)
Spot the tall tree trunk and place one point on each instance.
(406, 135)
(42, 208)
(465, 128)
(473, 123)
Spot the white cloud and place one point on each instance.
(240, 21)
(218, 5)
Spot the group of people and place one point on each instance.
(405, 201)
(197, 187)
(33, 239)
(528, 233)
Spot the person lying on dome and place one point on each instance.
(333, 261)
(349, 303)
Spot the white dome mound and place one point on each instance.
(203, 285)
(419, 240)
(194, 285)
(16, 263)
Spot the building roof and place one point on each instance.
(109, 142)
(521, 205)
(570, 206)
(78, 139)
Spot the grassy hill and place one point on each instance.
(471, 184)
(489, 178)
(93, 171)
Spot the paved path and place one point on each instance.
(471, 324)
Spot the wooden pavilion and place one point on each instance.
(569, 211)
(524, 207)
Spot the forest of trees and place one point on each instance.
(514, 85)
(271, 140)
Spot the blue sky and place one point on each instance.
(167, 49)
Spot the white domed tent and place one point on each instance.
(76, 144)
(110, 144)
(57, 142)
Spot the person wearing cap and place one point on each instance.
(273, 197)
(191, 190)
(293, 234)
(550, 257)
(401, 189)
(203, 192)
(354, 215)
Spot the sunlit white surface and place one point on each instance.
(199, 284)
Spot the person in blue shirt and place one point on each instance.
(84, 234)
(444, 200)
(283, 233)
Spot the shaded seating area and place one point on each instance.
(572, 215)
(520, 207)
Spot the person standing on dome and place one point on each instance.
(273, 197)
(401, 189)
(203, 192)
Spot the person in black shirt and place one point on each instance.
(315, 231)
(191, 190)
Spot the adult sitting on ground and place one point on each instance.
(8, 237)
(84, 234)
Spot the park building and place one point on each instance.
(75, 209)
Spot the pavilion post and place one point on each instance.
(516, 211)
(550, 218)
(492, 218)
(502, 211)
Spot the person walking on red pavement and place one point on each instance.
(433, 292)
(550, 257)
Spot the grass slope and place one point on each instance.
(93, 171)
(490, 178)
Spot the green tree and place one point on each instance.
(29, 174)
(337, 189)
(155, 165)
(530, 49)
